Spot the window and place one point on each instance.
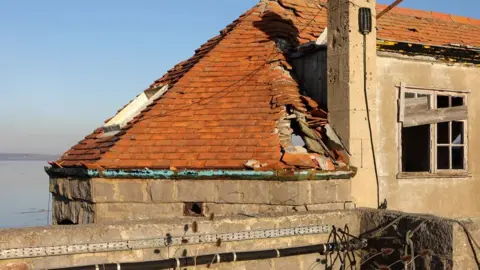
(433, 125)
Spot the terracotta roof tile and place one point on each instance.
(223, 104)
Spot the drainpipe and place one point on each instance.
(176, 263)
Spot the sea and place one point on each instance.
(25, 199)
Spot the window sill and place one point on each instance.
(416, 175)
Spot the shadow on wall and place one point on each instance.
(66, 222)
(282, 31)
(309, 61)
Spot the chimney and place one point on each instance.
(346, 89)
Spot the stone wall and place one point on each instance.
(445, 240)
(102, 200)
(84, 234)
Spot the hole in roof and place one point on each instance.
(297, 140)
(413, 30)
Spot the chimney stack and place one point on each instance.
(347, 31)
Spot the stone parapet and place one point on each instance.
(436, 243)
(108, 200)
(156, 229)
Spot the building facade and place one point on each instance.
(280, 114)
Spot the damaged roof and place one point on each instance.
(228, 103)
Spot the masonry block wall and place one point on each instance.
(69, 235)
(102, 200)
(446, 242)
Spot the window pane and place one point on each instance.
(443, 101)
(443, 133)
(457, 101)
(457, 132)
(416, 149)
(443, 157)
(409, 95)
(457, 158)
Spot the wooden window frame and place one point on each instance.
(433, 172)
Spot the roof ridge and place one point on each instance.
(430, 14)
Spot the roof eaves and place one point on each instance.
(455, 53)
(274, 175)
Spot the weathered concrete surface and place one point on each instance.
(444, 196)
(445, 240)
(83, 234)
(390, 230)
(347, 111)
(111, 200)
(466, 248)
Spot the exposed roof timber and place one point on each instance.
(134, 108)
(452, 54)
(383, 12)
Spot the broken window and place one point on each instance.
(433, 130)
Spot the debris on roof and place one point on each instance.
(255, 164)
(234, 100)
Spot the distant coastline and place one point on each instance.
(26, 157)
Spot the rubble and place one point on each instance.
(254, 164)
(299, 160)
(323, 149)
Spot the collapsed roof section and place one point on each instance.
(234, 104)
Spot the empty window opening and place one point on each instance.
(193, 209)
(433, 130)
(416, 149)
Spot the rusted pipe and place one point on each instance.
(228, 257)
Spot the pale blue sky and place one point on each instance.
(65, 66)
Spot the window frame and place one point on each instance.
(433, 171)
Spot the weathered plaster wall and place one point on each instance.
(101, 200)
(347, 110)
(449, 197)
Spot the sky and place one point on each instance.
(66, 66)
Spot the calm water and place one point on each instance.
(24, 194)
